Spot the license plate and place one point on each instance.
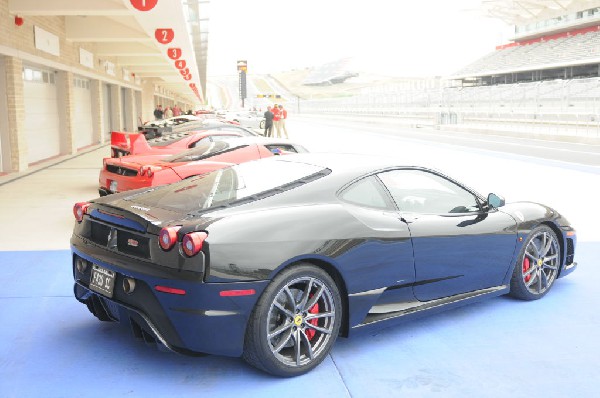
(102, 280)
(113, 186)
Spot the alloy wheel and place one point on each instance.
(540, 262)
(300, 321)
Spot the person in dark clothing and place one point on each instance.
(158, 112)
(269, 122)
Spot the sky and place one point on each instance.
(387, 37)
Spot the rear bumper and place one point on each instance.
(200, 321)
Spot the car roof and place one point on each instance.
(260, 140)
(345, 162)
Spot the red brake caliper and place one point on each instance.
(310, 333)
(526, 267)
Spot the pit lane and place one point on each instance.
(52, 347)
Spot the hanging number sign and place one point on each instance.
(174, 53)
(164, 36)
(143, 5)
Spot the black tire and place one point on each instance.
(295, 322)
(537, 265)
(261, 125)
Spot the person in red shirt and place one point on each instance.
(282, 118)
(276, 121)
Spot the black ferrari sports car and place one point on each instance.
(273, 259)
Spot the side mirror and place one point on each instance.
(495, 201)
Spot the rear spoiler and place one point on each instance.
(154, 131)
(134, 143)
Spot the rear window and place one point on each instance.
(203, 150)
(279, 148)
(224, 186)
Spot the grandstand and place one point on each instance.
(547, 80)
(331, 73)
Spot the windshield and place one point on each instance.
(202, 151)
(224, 186)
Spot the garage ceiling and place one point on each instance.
(140, 35)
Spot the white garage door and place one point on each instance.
(82, 117)
(42, 124)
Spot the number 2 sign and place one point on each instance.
(164, 36)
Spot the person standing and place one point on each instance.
(268, 122)
(176, 110)
(283, 117)
(276, 121)
(158, 112)
(168, 113)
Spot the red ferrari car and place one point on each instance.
(133, 172)
(123, 144)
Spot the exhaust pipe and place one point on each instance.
(128, 285)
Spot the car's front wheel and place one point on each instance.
(295, 322)
(537, 265)
(262, 124)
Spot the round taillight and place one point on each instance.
(192, 243)
(168, 237)
(79, 210)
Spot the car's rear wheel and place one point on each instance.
(262, 124)
(295, 322)
(537, 265)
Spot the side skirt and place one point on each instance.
(415, 309)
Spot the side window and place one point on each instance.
(367, 192)
(201, 141)
(419, 191)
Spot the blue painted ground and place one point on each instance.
(51, 346)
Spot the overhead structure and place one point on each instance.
(521, 12)
(553, 39)
(150, 39)
(197, 12)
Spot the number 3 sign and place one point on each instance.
(174, 53)
(164, 36)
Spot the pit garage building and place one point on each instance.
(72, 71)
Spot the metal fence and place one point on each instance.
(557, 107)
